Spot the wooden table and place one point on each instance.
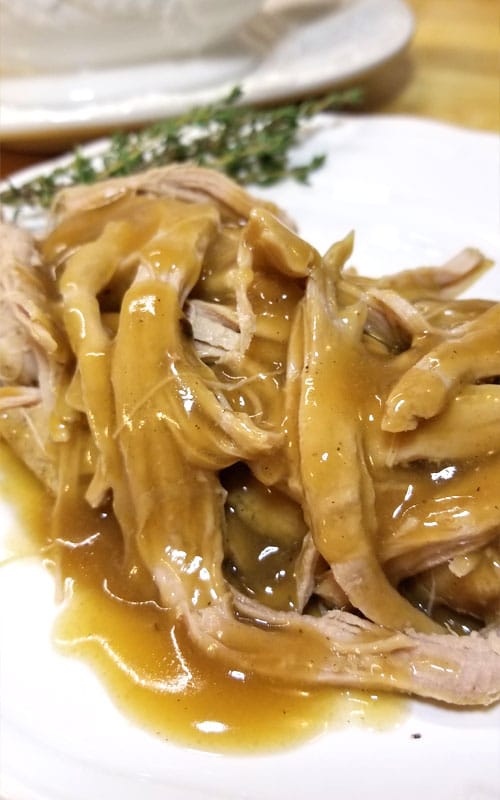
(449, 72)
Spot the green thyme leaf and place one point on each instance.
(251, 145)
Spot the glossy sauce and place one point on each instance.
(111, 616)
(143, 656)
(263, 538)
(411, 498)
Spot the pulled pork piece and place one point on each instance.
(475, 412)
(469, 584)
(443, 282)
(339, 496)
(33, 353)
(178, 181)
(275, 433)
(471, 355)
(24, 428)
(27, 330)
(442, 518)
(215, 330)
(340, 649)
(393, 320)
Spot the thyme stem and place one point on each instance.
(251, 145)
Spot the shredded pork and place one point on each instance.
(173, 344)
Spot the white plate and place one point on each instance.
(293, 48)
(415, 192)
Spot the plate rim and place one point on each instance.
(262, 84)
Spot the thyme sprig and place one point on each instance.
(252, 145)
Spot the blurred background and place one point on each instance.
(123, 64)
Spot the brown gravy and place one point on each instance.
(141, 653)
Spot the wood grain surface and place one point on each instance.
(449, 72)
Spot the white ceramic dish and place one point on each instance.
(293, 47)
(415, 192)
(47, 36)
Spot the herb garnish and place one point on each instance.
(251, 145)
